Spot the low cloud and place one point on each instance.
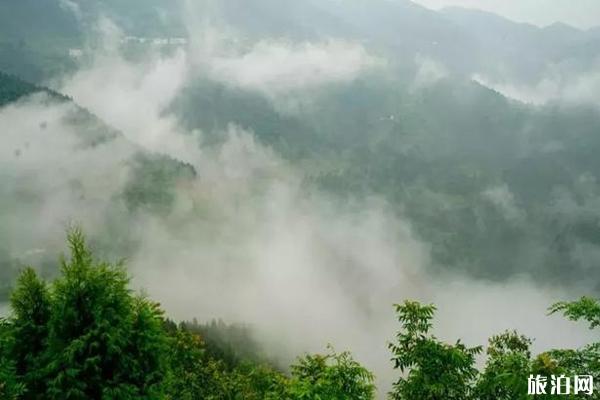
(56, 169)
(133, 96)
(278, 67)
(429, 71)
(71, 6)
(504, 200)
(556, 85)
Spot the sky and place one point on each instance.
(579, 13)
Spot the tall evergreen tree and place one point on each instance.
(86, 336)
(104, 342)
(30, 303)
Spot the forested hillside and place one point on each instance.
(13, 89)
(487, 181)
(274, 176)
(151, 178)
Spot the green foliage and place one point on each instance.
(31, 313)
(10, 387)
(507, 367)
(570, 362)
(586, 308)
(432, 370)
(153, 182)
(583, 361)
(88, 336)
(191, 374)
(256, 382)
(329, 377)
(104, 342)
(195, 374)
(233, 344)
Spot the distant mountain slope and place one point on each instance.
(94, 131)
(496, 187)
(65, 19)
(490, 183)
(57, 156)
(465, 41)
(522, 52)
(37, 37)
(26, 19)
(13, 88)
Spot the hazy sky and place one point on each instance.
(579, 13)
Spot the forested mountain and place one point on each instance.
(524, 52)
(150, 182)
(499, 170)
(13, 88)
(465, 41)
(293, 168)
